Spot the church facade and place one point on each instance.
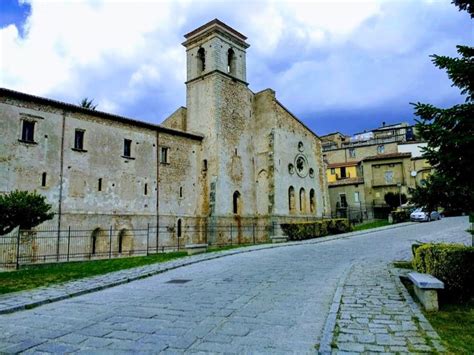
(230, 156)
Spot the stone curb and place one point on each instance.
(22, 300)
(329, 326)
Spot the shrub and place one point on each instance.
(451, 263)
(400, 216)
(307, 230)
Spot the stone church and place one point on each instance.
(229, 158)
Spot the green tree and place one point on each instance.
(86, 103)
(393, 200)
(449, 134)
(24, 209)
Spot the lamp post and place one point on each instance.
(399, 185)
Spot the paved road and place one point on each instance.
(274, 300)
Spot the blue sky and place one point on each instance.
(338, 65)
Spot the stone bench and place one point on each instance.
(279, 239)
(195, 248)
(426, 289)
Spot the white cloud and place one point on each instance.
(317, 54)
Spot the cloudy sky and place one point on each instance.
(338, 65)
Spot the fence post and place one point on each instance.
(68, 241)
(253, 232)
(231, 234)
(110, 242)
(57, 244)
(147, 237)
(177, 237)
(18, 249)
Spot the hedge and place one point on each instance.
(307, 230)
(451, 263)
(400, 216)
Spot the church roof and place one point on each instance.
(215, 23)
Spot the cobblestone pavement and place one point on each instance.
(375, 316)
(268, 301)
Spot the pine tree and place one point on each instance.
(449, 134)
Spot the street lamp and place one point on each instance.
(399, 185)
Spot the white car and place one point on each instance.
(422, 215)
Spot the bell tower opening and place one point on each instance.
(216, 48)
(201, 60)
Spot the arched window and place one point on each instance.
(291, 199)
(231, 61)
(179, 228)
(236, 202)
(94, 240)
(43, 179)
(121, 237)
(302, 200)
(312, 201)
(201, 58)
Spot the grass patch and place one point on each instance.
(453, 322)
(369, 225)
(455, 325)
(44, 275)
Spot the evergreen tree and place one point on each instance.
(449, 134)
(24, 209)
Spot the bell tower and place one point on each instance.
(215, 47)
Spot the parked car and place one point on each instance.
(422, 215)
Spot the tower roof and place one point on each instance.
(214, 26)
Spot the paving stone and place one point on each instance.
(282, 292)
(350, 346)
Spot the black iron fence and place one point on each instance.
(361, 212)
(23, 247)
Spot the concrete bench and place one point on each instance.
(195, 248)
(426, 287)
(279, 239)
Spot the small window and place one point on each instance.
(145, 192)
(333, 171)
(180, 192)
(179, 227)
(28, 131)
(204, 165)
(380, 149)
(356, 197)
(79, 139)
(389, 177)
(236, 202)
(43, 179)
(127, 148)
(164, 159)
(99, 185)
(352, 152)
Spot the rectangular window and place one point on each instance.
(389, 177)
(127, 148)
(145, 192)
(343, 172)
(343, 200)
(28, 131)
(164, 158)
(79, 139)
(333, 171)
(99, 185)
(380, 149)
(43, 180)
(356, 197)
(352, 152)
